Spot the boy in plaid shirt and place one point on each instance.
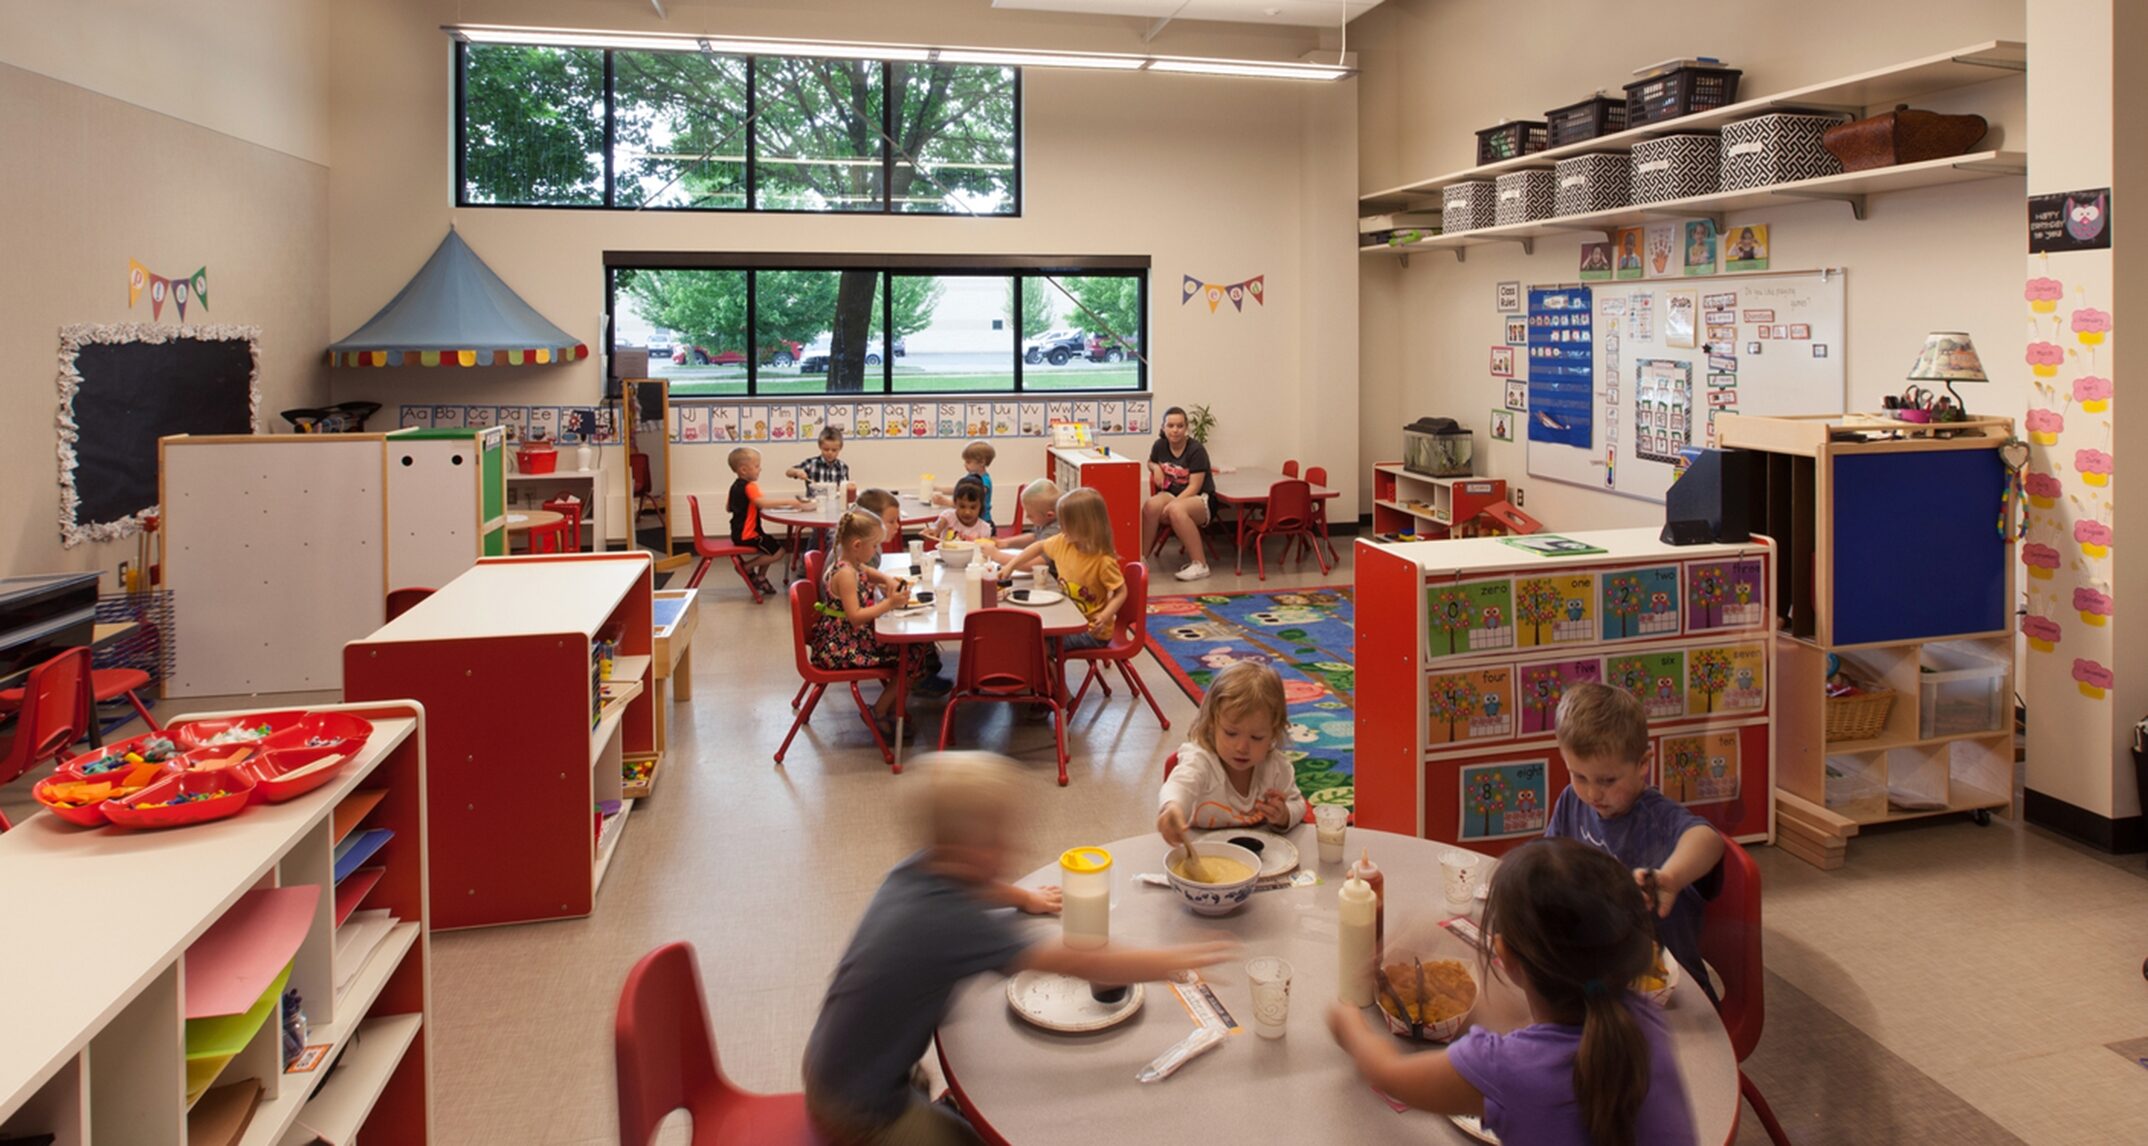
(829, 466)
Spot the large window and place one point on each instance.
(745, 325)
(637, 130)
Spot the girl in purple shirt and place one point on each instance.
(1595, 1068)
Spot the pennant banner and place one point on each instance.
(182, 290)
(1238, 292)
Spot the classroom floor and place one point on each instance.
(1951, 984)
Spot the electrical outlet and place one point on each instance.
(1518, 497)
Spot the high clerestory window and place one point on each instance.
(540, 126)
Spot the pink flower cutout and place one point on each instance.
(2044, 290)
(2091, 673)
(2089, 320)
(2040, 629)
(2042, 485)
(2090, 388)
(2042, 421)
(2092, 602)
(2092, 533)
(2040, 556)
(2046, 354)
(2092, 461)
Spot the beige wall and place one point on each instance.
(92, 181)
(247, 68)
(1220, 179)
(1940, 259)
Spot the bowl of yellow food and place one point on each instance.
(1426, 999)
(1212, 877)
(957, 554)
(1659, 981)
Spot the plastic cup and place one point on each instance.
(917, 553)
(1331, 823)
(1459, 870)
(1270, 978)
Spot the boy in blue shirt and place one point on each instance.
(1603, 734)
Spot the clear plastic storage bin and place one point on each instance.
(1961, 689)
(1856, 785)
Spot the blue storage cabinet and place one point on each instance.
(1917, 551)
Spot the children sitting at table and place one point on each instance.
(1231, 770)
(1083, 559)
(888, 508)
(932, 925)
(853, 595)
(746, 503)
(1595, 1067)
(965, 519)
(977, 458)
(1040, 507)
(1608, 804)
(826, 466)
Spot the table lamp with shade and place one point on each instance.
(1948, 357)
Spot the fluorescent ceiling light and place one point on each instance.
(733, 46)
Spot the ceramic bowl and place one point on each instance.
(1214, 898)
(957, 554)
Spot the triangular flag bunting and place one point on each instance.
(137, 278)
(1253, 287)
(158, 285)
(1215, 297)
(201, 287)
(179, 295)
(1191, 288)
(1238, 296)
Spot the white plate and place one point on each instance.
(1474, 1127)
(1063, 1003)
(1277, 854)
(1033, 598)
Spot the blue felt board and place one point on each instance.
(1917, 548)
(356, 849)
(1562, 367)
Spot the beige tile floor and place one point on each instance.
(1951, 984)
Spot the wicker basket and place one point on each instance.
(1859, 717)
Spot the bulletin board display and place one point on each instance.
(1663, 358)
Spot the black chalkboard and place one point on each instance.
(131, 394)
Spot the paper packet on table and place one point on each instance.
(1201, 1041)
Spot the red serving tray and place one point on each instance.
(87, 815)
(340, 731)
(127, 813)
(271, 772)
(73, 767)
(198, 733)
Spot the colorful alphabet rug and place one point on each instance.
(1307, 636)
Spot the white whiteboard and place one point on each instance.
(1651, 397)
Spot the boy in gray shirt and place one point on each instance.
(933, 923)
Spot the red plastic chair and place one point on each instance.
(548, 538)
(709, 549)
(570, 507)
(816, 563)
(1730, 942)
(1318, 476)
(667, 1061)
(1003, 660)
(102, 685)
(1289, 514)
(1013, 527)
(645, 501)
(804, 595)
(1130, 634)
(1290, 469)
(51, 711)
(401, 601)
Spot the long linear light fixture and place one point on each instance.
(911, 53)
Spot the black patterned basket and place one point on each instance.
(1512, 140)
(1524, 197)
(1588, 183)
(1592, 118)
(1676, 167)
(1784, 147)
(1680, 92)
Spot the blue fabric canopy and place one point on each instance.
(456, 312)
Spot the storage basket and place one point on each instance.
(1589, 183)
(1680, 92)
(1781, 148)
(1961, 688)
(1903, 135)
(1592, 118)
(1862, 716)
(1524, 196)
(1511, 140)
(1468, 206)
(1676, 167)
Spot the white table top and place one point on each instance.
(521, 596)
(1252, 482)
(103, 911)
(1464, 556)
(1060, 618)
(1039, 1089)
(913, 511)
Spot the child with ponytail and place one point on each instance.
(1595, 1068)
(853, 595)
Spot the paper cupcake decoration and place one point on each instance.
(2091, 678)
(2095, 466)
(2093, 393)
(2044, 294)
(2090, 325)
(2094, 605)
(2043, 632)
(2045, 426)
(2041, 559)
(2045, 358)
(2044, 490)
(2094, 536)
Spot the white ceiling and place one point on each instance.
(1311, 13)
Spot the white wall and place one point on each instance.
(1184, 180)
(1939, 259)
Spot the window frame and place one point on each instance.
(888, 159)
(1020, 268)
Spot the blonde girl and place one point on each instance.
(1084, 559)
(853, 595)
(1232, 771)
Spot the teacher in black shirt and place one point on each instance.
(1180, 474)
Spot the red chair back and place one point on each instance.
(1003, 654)
(804, 595)
(1131, 628)
(56, 706)
(1290, 468)
(569, 506)
(1316, 475)
(638, 466)
(1730, 942)
(816, 563)
(401, 601)
(1290, 506)
(1169, 763)
(701, 536)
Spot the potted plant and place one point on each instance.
(1200, 422)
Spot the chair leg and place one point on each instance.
(872, 726)
(1134, 681)
(700, 571)
(1084, 689)
(143, 711)
(800, 698)
(1751, 1094)
(739, 563)
(947, 720)
(1059, 736)
(1312, 545)
(797, 722)
(1260, 556)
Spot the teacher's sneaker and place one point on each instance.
(1193, 572)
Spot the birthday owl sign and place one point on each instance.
(2070, 221)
